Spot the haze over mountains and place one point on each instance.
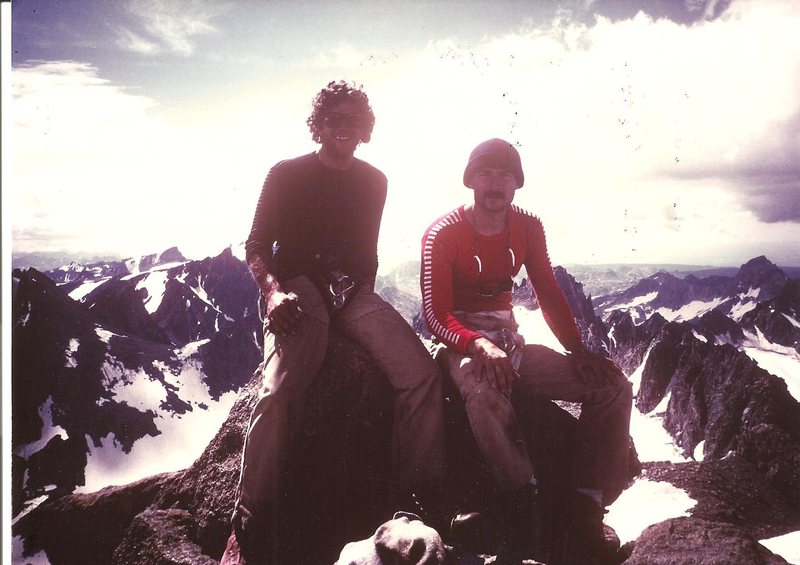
(124, 369)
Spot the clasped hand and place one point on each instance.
(594, 369)
(283, 313)
(493, 365)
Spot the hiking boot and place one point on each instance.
(589, 540)
(473, 533)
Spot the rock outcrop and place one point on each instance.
(717, 395)
(105, 370)
(706, 543)
(338, 493)
(735, 508)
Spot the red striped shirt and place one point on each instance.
(457, 262)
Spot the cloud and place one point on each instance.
(129, 41)
(78, 139)
(172, 24)
(686, 12)
(96, 167)
(671, 137)
(707, 9)
(764, 172)
(668, 138)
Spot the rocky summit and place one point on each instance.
(111, 359)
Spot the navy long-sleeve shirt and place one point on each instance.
(307, 212)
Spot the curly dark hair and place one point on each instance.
(334, 93)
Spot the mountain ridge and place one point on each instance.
(186, 335)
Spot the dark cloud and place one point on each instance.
(773, 198)
(765, 175)
(768, 175)
(684, 12)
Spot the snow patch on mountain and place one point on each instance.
(690, 311)
(190, 349)
(747, 301)
(183, 436)
(26, 316)
(70, 353)
(85, 288)
(49, 431)
(652, 441)
(781, 361)
(155, 284)
(645, 503)
(18, 556)
(634, 303)
(791, 320)
(135, 388)
(104, 335)
(739, 310)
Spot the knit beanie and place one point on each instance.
(495, 153)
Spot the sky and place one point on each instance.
(650, 131)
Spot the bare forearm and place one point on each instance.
(266, 280)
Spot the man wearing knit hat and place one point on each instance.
(469, 259)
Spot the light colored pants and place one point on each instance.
(603, 428)
(292, 362)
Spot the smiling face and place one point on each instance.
(494, 189)
(342, 129)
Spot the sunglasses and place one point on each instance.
(335, 120)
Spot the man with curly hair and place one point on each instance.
(312, 250)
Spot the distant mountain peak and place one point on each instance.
(146, 262)
(761, 272)
(758, 264)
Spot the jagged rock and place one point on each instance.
(204, 297)
(573, 290)
(339, 470)
(761, 273)
(756, 278)
(86, 528)
(76, 365)
(72, 275)
(119, 306)
(523, 295)
(730, 490)
(594, 333)
(630, 342)
(698, 541)
(777, 319)
(57, 368)
(717, 327)
(339, 489)
(407, 304)
(162, 537)
(722, 397)
(171, 255)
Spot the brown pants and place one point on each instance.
(291, 363)
(603, 429)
